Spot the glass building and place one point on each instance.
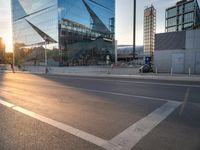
(149, 31)
(74, 32)
(185, 15)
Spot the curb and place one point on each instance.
(139, 76)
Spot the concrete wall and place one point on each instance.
(192, 40)
(163, 60)
(191, 50)
(89, 70)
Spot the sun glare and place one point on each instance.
(8, 43)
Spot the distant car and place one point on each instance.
(145, 69)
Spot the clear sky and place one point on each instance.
(124, 20)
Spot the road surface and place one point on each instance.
(88, 113)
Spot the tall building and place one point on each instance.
(149, 31)
(73, 32)
(2, 50)
(185, 15)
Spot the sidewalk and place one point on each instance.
(131, 73)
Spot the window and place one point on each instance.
(180, 9)
(188, 25)
(171, 22)
(171, 29)
(180, 28)
(189, 7)
(180, 19)
(171, 12)
(189, 17)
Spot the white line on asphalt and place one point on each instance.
(126, 81)
(184, 101)
(124, 141)
(113, 93)
(132, 135)
(6, 103)
(121, 94)
(76, 132)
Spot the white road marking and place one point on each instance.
(76, 132)
(124, 141)
(132, 135)
(120, 94)
(6, 103)
(111, 93)
(81, 134)
(128, 81)
(184, 101)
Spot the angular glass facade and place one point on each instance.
(77, 32)
(185, 15)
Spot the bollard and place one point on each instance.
(156, 70)
(171, 71)
(189, 72)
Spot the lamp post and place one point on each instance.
(134, 27)
(45, 55)
(13, 54)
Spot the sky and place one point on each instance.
(124, 20)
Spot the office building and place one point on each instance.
(80, 32)
(185, 15)
(178, 52)
(149, 31)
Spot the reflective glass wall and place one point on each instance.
(34, 22)
(86, 31)
(75, 32)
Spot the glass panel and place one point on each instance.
(189, 17)
(86, 31)
(189, 7)
(180, 9)
(180, 19)
(180, 28)
(188, 25)
(32, 22)
(171, 29)
(172, 12)
(171, 22)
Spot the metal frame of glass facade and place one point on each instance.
(77, 32)
(185, 15)
(149, 31)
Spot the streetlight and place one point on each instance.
(134, 27)
(45, 53)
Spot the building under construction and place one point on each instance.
(149, 31)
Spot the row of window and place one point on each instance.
(189, 17)
(180, 9)
(180, 27)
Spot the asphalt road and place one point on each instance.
(83, 113)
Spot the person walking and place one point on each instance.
(12, 67)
